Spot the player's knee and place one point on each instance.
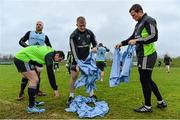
(33, 82)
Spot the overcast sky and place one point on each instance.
(108, 19)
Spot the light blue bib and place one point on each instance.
(100, 56)
(36, 38)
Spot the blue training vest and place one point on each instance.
(100, 56)
(36, 38)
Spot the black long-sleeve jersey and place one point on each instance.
(150, 25)
(25, 38)
(80, 43)
(49, 66)
(167, 60)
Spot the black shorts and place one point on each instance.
(22, 66)
(167, 63)
(100, 65)
(147, 62)
(72, 66)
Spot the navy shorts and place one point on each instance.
(22, 66)
(100, 65)
(147, 62)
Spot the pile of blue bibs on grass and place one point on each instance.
(81, 107)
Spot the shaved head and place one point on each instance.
(39, 26)
(40, 22)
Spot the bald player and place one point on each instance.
(31, 38)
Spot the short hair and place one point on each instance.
(61, 54)
(136, 8)
(81, 19)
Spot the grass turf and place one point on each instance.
(121, 99)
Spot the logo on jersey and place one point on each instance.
(88, 36)
(79, 38)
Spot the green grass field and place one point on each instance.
(121, 99)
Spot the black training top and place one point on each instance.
(167, 60)
(80, 43)
(49, 66)
(143, 45)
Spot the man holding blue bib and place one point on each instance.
(144, 36)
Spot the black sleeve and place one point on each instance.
(68, 55)
(50, 72)
(152, 31)
(73, 46)
(125, 42)
(107, 50)
(23, 40)
(93, 39)
(47, 42)
(170, 59)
